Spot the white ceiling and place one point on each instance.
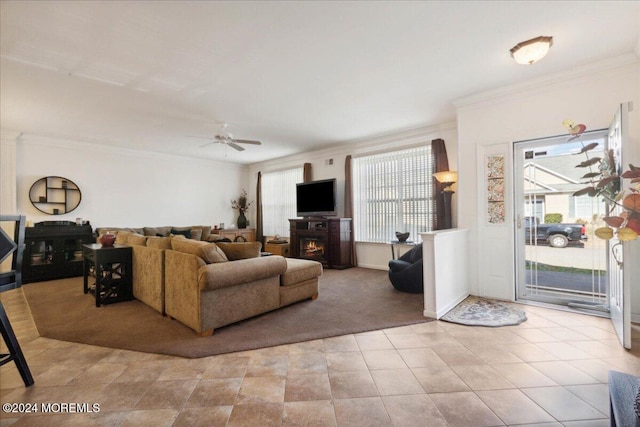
(296, 75)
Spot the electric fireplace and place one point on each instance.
(313, 248)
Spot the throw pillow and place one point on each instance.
(236, 251)
(209, 252)
(122, 236)
(185, 232)
(196, 233)
(137, 239)
(206, 231)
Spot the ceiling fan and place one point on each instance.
(225, 137)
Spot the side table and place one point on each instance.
(112, 269)
(277, 248)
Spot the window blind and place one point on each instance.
(279, 200)
(393, 191)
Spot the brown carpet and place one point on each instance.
(350, 301)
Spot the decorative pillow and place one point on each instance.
(185, 232)
(122, 236)
(209, 252)
(196, 233)
(206, 231)
(236, 251)
(137, 239)
(159, 242)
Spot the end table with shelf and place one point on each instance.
(111, 268)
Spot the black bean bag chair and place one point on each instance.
(405, 272)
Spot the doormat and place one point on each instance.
(475, 311)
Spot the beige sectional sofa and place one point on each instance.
(205, 291)
(206, 285)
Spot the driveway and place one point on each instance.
(591, 256)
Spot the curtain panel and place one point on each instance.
(348, 206)
(441, 164)
(306, 173)
(259, 223)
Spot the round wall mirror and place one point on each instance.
(55, 195)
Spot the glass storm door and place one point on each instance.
(620, 289)
(559, 259)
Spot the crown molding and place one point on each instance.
(391, 140)
(630, 61)
(75, 145)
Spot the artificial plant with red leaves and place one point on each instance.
(623, 219)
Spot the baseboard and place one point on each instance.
(373, 266)
(448, 307)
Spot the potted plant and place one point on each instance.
(242, 206)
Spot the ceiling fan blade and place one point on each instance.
(208, 143)
(237, 147)
(247, 141)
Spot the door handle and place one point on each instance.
(519, 221)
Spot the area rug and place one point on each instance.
(350, 301)
(475, 311)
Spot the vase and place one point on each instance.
(107, 240)
(242, 220)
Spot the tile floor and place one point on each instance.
(551, 371)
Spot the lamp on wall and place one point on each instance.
(447, 178)
(531, 51)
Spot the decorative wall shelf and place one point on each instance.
(55, 195)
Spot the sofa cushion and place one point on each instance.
(159, 242)
(227, 274)
(136, 239)
(157, 231)
(244, 250)
(209, 252)
(299, 270)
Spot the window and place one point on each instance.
(584, 207)
(534, 207)
(279, 200)
(393, 192)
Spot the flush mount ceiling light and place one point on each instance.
(532, 50)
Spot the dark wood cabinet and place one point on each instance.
(327, 240)
(54, 251)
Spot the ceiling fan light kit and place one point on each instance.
(531, 51)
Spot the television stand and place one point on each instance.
(327, 240)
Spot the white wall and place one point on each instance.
(127, 188)
(370, 255)
(491, 122)
(8, 172)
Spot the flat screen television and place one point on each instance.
(316, 198)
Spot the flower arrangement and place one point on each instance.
(241, 204)
(623, 219)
